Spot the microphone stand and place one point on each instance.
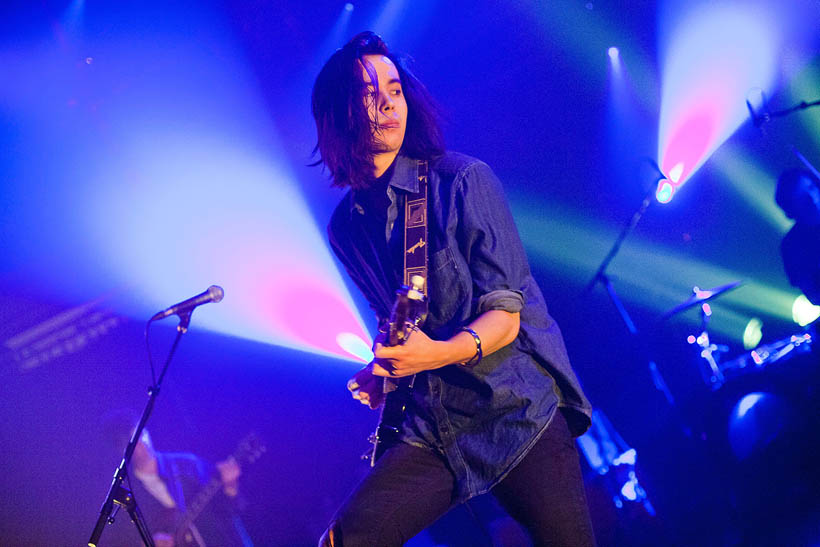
(802, 105)
(118, 494)
(602, 277)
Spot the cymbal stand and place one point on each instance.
(712, 373)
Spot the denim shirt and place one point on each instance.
(484, 419)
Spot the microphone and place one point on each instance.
(213, 294)
(759, 113)
(752, 115)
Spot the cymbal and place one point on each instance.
(699, 297)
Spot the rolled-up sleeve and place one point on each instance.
(509, 301)
(490, 241)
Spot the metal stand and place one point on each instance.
(610, 456)
(760, 118)
(711, 372)
(118, 494)
(603, 278)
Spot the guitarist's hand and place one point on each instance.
(367, 388)
(496, 328)
(229, 472)
(417, 354)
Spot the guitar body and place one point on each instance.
(392, 415)
(409, 311)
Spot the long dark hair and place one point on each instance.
(345, 142)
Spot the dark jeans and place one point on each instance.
(410, 488)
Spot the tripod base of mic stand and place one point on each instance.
(120, 496)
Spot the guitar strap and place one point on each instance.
(415, 230)
(415, 263)
(415, 245)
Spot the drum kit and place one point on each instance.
(608, 454)
(714, 369)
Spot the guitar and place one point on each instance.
(249, 449)
(408, 313)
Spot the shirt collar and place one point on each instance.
(406, 174)
(405, 177)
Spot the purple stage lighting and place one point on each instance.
(715, 55)
(165, 175)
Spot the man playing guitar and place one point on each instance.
(184, 499)
(494, 403)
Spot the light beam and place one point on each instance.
(714, 56)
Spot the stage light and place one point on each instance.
(665, 191)
(613, 53)
(715, 55)
(583, 240)
(355, 346)
(170, 190)
(752, 182)
(387, 20)
(804, 312)
(559, 23)
(73, 16)
(753, 333)
(675, 173)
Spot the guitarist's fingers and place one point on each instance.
(361, 378)
(358, 394)
(386, 352)
(361, 396)
(387, 372)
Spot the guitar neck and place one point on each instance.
(248, 450)
(202, 499)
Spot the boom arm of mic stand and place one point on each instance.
(802, 105)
